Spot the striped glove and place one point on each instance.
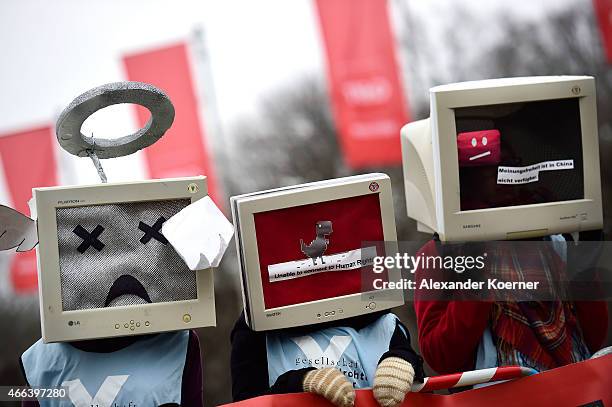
(392, 381)
(330, 383)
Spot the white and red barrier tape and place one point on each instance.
(472, 377)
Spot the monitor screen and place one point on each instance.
(115, 254)
(519, 153)
(313, 252)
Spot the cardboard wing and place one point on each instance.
(16, 230)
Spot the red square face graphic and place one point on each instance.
(313, 237)
(478, 148)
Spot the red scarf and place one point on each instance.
(543, 331)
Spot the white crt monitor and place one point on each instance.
(505, 159)
(104, 267)
(301, 250)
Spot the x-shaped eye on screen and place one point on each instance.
(89, 239)
(153, 231)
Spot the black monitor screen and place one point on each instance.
(519, 153)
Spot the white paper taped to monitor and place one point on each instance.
(530, 173)
(351, 260)
(199, 233)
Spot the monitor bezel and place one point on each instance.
(244, 208)
(521, 221)
(58, 325)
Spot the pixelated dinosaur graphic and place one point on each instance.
(318, 246)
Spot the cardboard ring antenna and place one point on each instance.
(68, 129)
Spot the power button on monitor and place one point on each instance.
(372, 306)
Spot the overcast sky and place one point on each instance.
(52, 51)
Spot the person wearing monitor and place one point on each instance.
(306, 325)
(525, 168)
(125, 272)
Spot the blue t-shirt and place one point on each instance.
(355, 353)
(148, 372)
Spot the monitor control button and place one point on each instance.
(372, 305)
(117, 326)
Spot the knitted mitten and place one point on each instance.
(392, 381)
(330, 383)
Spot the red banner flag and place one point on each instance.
(181, 151)
(603, 12)
(579, 384)
(366, 93)
(27, 162)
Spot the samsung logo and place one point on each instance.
(474, 226)
(273, 314)
(568, 217)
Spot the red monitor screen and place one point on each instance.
(309, 252)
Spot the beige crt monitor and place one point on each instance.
(300, 250)
(542, 176)
(105, 269)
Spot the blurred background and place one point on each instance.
(267, 93)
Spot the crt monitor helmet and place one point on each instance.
(301, 251)
(105, 268)
(505, 159)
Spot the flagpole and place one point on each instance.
(205, 88)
